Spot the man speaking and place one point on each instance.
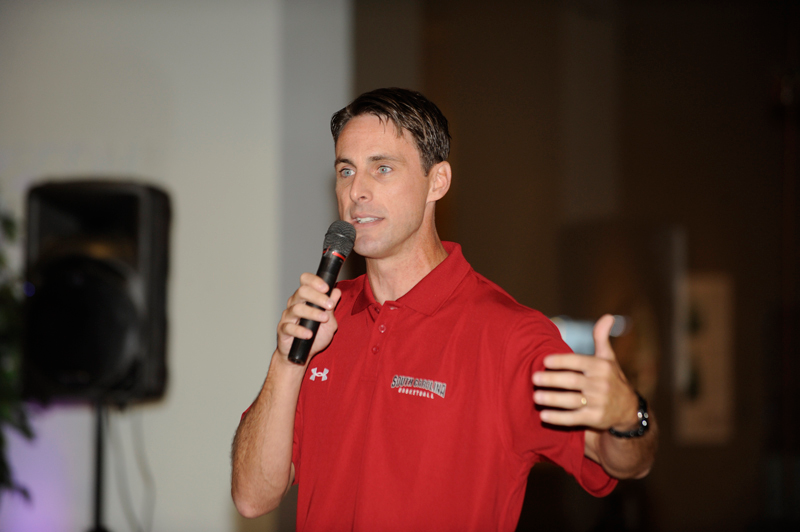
(429, 392)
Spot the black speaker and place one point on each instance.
(96, 276)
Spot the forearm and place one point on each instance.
(623, 458)
(262, 448)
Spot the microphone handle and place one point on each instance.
(328, 270)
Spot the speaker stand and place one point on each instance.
(99, 412)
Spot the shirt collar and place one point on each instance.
(428, 294)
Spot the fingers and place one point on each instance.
(564, 400)
(565, 380)
(575, 390)
(571, 409)
(300, 306)
(294, 330)
(601, 332)
(568, 397)
(312, 291)
(568, 418)
(599, 400)
(301, 309)
(570, 362)
(290, 325)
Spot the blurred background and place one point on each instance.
(614, 156)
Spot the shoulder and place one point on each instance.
(490, 316)
(489, 299)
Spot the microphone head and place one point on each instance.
(341, 236)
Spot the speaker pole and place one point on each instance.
(99, 411)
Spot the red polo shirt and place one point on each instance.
(420, 415)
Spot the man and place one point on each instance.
(430, 393)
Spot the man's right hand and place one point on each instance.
(312, 290)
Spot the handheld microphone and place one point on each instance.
(339, 242)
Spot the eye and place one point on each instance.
(384, 169)
(346, 172)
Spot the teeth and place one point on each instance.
(365, 220)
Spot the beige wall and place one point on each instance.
(190, 96)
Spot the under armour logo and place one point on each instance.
(321, 374)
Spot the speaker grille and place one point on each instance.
(96, 263)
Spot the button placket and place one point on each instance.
(381, 327)
(378, 336)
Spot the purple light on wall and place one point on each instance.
(56, 468)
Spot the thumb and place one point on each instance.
(602, 345)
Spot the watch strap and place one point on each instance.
(644, 422)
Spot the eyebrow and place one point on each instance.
(380, 157)
(372, 159)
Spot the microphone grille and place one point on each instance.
(341, 236)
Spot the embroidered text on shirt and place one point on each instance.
(404, 383)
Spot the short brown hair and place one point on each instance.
(408, 110)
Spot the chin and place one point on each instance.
(369, 250)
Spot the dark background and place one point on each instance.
(690, 128)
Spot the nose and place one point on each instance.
(360, 188)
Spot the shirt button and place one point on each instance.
(375, 349)
(382, 328)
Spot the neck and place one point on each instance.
(392, 278)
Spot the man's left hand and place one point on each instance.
(588, 391)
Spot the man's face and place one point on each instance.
(381, 187)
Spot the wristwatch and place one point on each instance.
(644, 422)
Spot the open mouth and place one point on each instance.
(366, 219)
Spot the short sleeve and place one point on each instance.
(533, 338)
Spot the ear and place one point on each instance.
(441, 175)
